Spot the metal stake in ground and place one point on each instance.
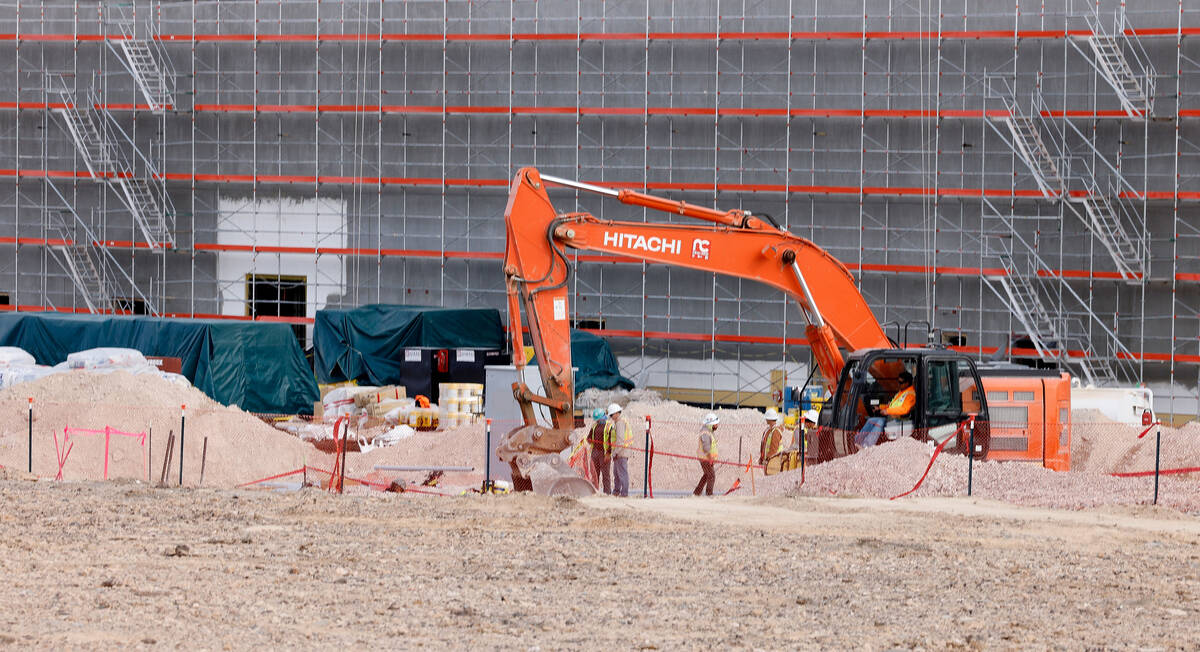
(1157, 448)
(970, 454)
(31, 434)
(803, 451)
(487, 458)
(182, 423)
(646, 457)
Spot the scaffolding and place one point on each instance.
(995, 171)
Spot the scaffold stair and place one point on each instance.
(87, 136)
(1057, 335)
(1024, 134)
(1053, 337)
(97, 144)
(150, 77)
(143, 202)
(1026, 306)
(1105, 223)
(1032, 149)
(1096, 371)
(1134, 92)
(1117, 54)
(76, 259)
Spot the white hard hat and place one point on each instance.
(811, 415)
(771, 415)
(613, 408)
(711, 419)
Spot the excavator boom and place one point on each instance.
(537, 269)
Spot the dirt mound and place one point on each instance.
(240, 447)
(1101, 445)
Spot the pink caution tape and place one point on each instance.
(936, 452)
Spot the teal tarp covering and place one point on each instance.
(596, 364)
(257, 366)
(367, 344)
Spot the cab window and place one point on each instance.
(883, 384)
(942, 387)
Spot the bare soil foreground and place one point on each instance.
(123, 565)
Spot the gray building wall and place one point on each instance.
(858, 125)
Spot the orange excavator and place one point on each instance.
(861, 365)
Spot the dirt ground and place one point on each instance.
(121, 565)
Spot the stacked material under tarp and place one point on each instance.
(257, 366)
(367, 344)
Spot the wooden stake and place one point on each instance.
(162, 479)
(203, 457)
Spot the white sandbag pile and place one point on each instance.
(15, 356)
(18, 366)
(102, 358)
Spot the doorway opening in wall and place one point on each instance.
(274, 295)
(4, 299)
(129, 306)
(589, 323)
(954, 339)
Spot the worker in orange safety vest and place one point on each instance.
(898, 408)
(707, 452)
(772, 439)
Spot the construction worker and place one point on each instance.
(618, 442)
(601, 462)
(898, 408)
(707, 452)
(772, 439)
(808, 423)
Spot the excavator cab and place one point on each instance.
(947, 390)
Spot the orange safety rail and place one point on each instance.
(416, 37)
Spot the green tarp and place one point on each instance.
(367, 343)
(595, 363)
(257, 366)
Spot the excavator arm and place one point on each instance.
(736, 243)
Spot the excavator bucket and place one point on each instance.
(533, 468)
(551, 476)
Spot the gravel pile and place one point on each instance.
(601, 398)
(895, 467)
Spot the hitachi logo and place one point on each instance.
(631, 241)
